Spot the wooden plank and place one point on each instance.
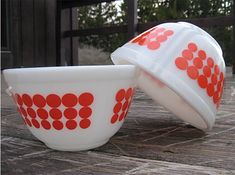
(30, 157)
(27, 12)
(58, 31)
(65, 42)
(40, 33)
(202, 22)
(74, 3)
(16, 32)
(233, 37)
(132, 18)
(96, 31)
(51, 32)
(6, 44)
(75, 44)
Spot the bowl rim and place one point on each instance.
(65, 74)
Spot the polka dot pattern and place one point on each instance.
(153, 38)
(203, 69)
(56, 112)
(123, 100)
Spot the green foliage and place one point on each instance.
(100, 15)
(107, 14)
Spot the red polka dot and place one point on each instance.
(45, 124)
(181, 63)
(31, 112)
(161, 38)
(71, 124)
(122, 116)
(136, 39)
(202, 54)
(187, 54)
(202, 81)
(214, 79)
(27, 100)
(18, 99)
(216, 69)
(159, 30)
(42, 113)
(53, 100)
(168, 32)
(216, 97)
(192, 72)
(114, 118)
(27, 121)
(70, 113)
(117, 107)
(197, 62)
(39, 100)
(58, 125)
(222, 88)
(219, 85)
(207, 71)
(69, 100)
(152, 35)
(221, 77)
(86, 99)
(153, 45)
(192, 47)
(35, 123)
(85, 123)
(210, 62)
(23, 111)
(143, 41)
(128, 93)
(120, 95)
(125, 105)
(210, 90)
(85, 112)
(55, 113)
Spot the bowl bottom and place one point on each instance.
(166, 97)
(79, 147)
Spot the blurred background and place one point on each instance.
(57, 32)
(114, 13)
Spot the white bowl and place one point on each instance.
(182, 69)
(73, 108)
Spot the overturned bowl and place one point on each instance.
(182, 68)
(73, 108)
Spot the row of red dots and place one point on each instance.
(55, 113)
(153, 38)
(210, 71)
(58, 125)
(69, 100)
(53, 100)
(123, 101)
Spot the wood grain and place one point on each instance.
(151, 141)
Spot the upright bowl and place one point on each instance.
(72, 108)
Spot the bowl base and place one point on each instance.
(76, 147)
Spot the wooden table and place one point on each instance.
(151, 141)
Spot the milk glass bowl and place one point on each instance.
(182, 68)
(72, 108)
